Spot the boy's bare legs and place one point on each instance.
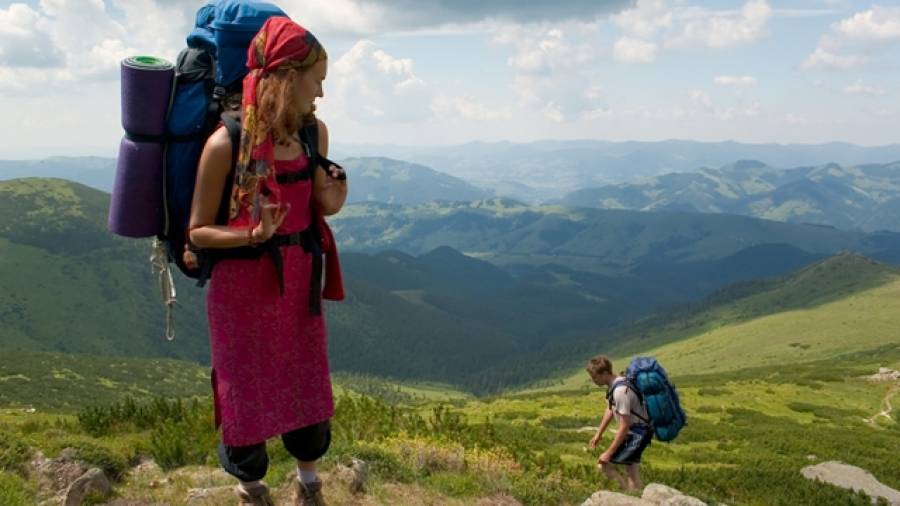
(634, 476)
(613, 474)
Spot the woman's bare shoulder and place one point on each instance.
(217, 151)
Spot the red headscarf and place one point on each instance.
(280, 44)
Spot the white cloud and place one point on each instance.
(553, 77)
(24, 41)
(78, 41)
(853, 41)
(858, 88)
(370, 85)
(702, 104)
(467, 108)
(795, 119)
(876, 24)
(741, 81)
(645, 19)
(724, 29)
(551, 51)
(823, 59)
(631, 50)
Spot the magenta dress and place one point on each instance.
(269, 354)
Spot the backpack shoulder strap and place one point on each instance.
(610, 392)
(628, 386)
(309, 137)
(233, 125)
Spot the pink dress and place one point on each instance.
(269, 354)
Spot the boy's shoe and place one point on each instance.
(256, 496)
(308, 494)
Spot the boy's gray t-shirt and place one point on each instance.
(626, 403)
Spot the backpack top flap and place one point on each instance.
(201, 36)
(225, 29)
(234, 26)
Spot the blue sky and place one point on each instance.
(445, 72)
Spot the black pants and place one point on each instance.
(250, 463)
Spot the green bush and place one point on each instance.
(14, 491)
(189, 440)
(568, 422)
(130, 414)
(14, 453)
(712, 392)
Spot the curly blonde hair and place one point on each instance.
(278, 107)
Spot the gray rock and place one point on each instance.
(360, 473)
(682, 500)
(92, 481)
(851, 477)
(55, 475)
(657, 492)
(205, 495)
(605, 498)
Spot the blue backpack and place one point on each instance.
(208, 80)
(649, 381)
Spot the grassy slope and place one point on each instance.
(842, 305)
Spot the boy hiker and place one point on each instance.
(633, 434)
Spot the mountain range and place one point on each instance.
(865, 197)
(544, 171)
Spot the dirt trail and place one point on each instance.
(887, 407)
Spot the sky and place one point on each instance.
(439, 72)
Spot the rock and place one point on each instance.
(656, 492)
(604, 498)
(205, 495)
(55, 475)
(682, 500)
(92, 481)
(811, 457)
(132, 502)
(355, 475)
(498, 500)
(360, 470)
(851, 477)
(144, 467)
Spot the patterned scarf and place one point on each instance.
(280, 44)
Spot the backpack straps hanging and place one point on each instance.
(628, 386)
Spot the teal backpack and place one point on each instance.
(649, 381)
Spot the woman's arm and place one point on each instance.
(212, 173)
(329, 193)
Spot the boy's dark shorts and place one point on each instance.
(630, 451)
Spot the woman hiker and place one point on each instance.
(267, 331)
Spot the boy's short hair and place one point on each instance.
(598, 365)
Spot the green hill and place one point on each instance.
(609, 242)
(840, 306)
(561, 278)
(397, 182)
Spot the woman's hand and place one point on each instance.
(329, 189)
(273, 216)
